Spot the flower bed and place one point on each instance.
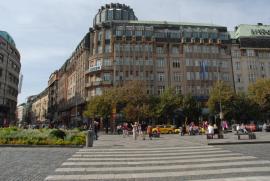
(41, 137)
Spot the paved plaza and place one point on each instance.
(114, 158)
(170, 157)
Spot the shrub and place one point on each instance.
(57, 133)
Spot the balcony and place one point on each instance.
(93, 69)
(98, 83)
(99, 68)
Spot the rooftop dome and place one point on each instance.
(7, 37)
(114, 11)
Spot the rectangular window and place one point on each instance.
(237, 65)
(119, 33)
(239, 78)
(262, 66)
(175, 50)
(128, 33)
(177, 77)
(108, 35)
(106, 76)
(103, 15)
(250, 53)
(118, 14)
(107, 49)
(161, 77)
(148, 33)
(160, 50)
(98, 91)
(107, 62)
(178, 89)
(138, 33)
(110, 14)
(100, 36)
(160, 63)
(176, 63)
(161, 89)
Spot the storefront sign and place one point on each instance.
(260, 32)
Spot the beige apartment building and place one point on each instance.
(40, 108)
(250, 54)
(118, 48)
(71, 85)
(189, 57)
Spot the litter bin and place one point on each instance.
(89, 138)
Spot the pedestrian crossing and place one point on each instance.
(200, 163)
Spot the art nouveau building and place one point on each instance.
(250, 54)
(187, 56)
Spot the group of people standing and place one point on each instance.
(138, 130)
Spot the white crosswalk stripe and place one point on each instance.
(190, 163)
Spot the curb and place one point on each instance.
(236, 143)
(43, 146)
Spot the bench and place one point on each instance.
(210, 135)
(251, 135)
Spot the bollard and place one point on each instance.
(89, 138)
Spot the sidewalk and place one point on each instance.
(169, 140)
(229, 138)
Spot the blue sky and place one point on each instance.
(46, 32)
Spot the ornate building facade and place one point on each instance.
(189, 57)
(9, 78)
(250, 54)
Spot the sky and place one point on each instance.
(46, 32)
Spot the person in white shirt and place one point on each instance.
(210, 129)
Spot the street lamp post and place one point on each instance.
(220, 133)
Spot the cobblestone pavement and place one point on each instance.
(170, 157)
(31, 164)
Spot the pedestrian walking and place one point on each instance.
(135, 130)
(143, 129)
(96, 124)
(149, 132)
(125, 130)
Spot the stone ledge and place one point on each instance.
(43, 146)
(242, 142)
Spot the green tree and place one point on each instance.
(191, 108)
(169, 102)
(221, 94)
(259, 92)
(135, 101)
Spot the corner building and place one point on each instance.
(250, 54)
(189, 57)
(9, 79)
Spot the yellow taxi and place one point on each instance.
(164, 129)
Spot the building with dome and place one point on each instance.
(9, 78)
(189, 57)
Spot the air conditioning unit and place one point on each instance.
(201, 41)
(219, 41)
(210, 41)
(183, 40)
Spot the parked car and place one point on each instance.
(164, 129)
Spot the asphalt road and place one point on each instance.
(31, 164)
(260, 151)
